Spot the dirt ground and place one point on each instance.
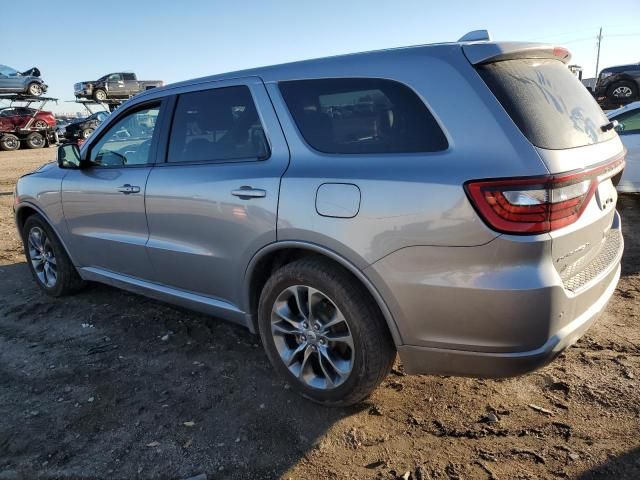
(109, 384)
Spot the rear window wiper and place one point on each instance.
(608, 126)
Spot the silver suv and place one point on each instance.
(453, 203)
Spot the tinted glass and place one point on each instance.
(128, 141)
(128, 76)
(547, 102)
(217, 125)
(628, 123)
(362, 115)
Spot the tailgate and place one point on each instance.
(574, 139)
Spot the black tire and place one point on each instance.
(374, 351)
(99, 95)
(68, 281)
(618, 91)
(9, 142)
(35, 140)
(34, 89)
(86, 133)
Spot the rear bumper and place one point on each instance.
(496, 310)
(422, 360)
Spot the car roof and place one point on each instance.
(314, 67)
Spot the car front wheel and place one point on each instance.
(49, 263)
(34, 89)
(323, 332)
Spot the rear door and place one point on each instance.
(571, 134)
(212, 202)
(130, 84)
(104, 203)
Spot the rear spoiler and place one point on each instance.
(490, 52)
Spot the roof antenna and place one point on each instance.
(476, 36)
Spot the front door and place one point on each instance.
(115, 85)
(213, 203)
(104, 203)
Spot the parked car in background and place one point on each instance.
(28, 82)
(82, 128)
(12, 118)
(61, 128)
(628, 118)
(346, 210)
(114, 86)
(619, 84)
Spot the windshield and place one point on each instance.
(8, 71)
(547, 103)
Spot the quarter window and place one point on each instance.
(216, 126)
(362, 115)
(128, 141)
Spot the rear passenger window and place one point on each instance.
(362, 115)
(216, 126)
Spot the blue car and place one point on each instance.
(27, 83)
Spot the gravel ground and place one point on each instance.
(109, 384)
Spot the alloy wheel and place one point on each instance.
(312, 337)
(42, 257)
(622, 92)
(35, 89)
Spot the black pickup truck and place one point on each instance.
(113, 86)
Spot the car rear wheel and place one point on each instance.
(100, 95)
(86, 133)
(9, 142)
(49, 263)
(34, 89)
(41, 124)
(323, 333)
(35, 140)
(623, 91)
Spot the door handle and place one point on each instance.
(127, 189)
(246, 193)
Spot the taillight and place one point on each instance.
(538, 204)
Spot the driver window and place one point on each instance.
(114, 77)
(128, 141)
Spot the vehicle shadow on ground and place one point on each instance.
(623, 466)
(114, 383)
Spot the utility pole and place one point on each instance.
(598, 57)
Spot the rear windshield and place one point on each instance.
(547, 102)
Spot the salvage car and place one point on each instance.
(28, 82)
(346, 210)
(25, 117)
(82, 128)
(628, 127)
(114, 86)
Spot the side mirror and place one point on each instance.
(619, 127)
(69, 156)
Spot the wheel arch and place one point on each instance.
(275, 255)
(26, 210)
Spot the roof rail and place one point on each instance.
(476, 36)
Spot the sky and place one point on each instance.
(72, 41)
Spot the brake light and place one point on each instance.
(533, 205)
